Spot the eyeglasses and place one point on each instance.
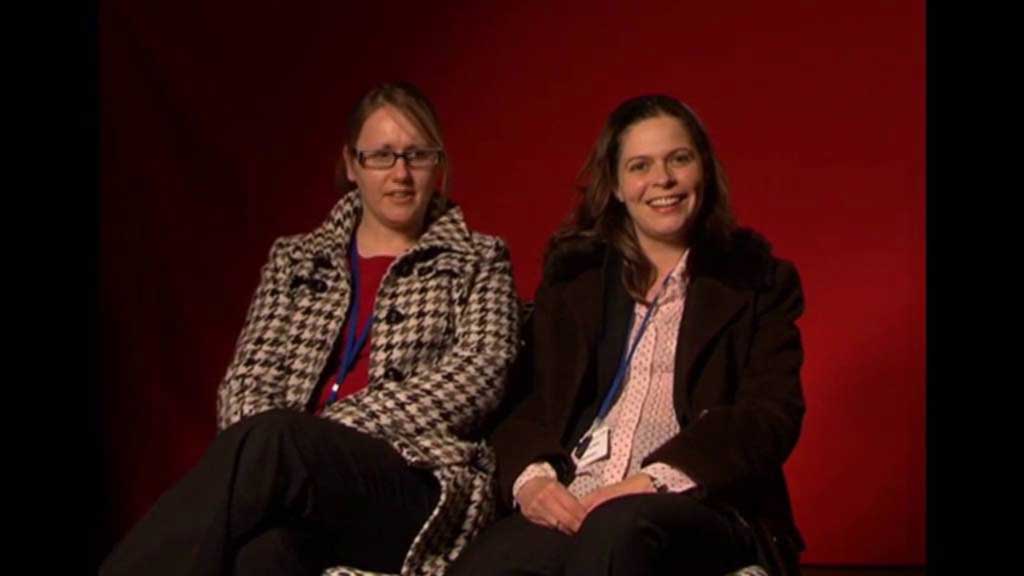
(384, 159)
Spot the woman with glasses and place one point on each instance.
(661, 388)
(349, 417)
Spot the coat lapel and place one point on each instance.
(710, 305)
(618, 308)
(601, 310)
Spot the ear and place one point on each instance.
(350, 168)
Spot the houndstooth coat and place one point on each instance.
(444, 336)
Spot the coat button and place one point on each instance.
(425, 270)
(318, 285)
(321, 261)
(394, 374)
(394, 316)
(402, 269)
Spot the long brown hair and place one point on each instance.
(598, 215)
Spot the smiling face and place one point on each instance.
(659, 179)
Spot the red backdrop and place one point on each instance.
(221, 123)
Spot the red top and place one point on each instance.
(371, 272)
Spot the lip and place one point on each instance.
(682, 197)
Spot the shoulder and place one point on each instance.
(286, 251)
(571, 258)
(745, 262)
(488, 248)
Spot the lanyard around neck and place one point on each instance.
(353, 344)
(627, 355)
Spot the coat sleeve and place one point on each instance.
(531, 432)
(248, 387)
(726, 446)
(454, 396)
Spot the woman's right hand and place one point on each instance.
(547, 502)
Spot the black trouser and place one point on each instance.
(646, 534)
(283, 493)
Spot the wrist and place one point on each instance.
(656, 483)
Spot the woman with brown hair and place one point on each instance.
(350, 415)
(659, 391)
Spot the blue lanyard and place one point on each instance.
(627, 357)
(353, 345)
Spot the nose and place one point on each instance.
(400, 171)
(667, 177)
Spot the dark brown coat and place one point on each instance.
(737, 394)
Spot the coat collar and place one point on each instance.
(710, 305)
(446, 231)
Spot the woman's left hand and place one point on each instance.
(636, 484)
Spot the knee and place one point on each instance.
(635, 534)
(615, 523)
(271, 422)
(266, 429)
(274, 418)
(622, 536)
(512, 547)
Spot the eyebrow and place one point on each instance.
(410, 147)
(648, 156)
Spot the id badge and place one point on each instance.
(594, 446)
